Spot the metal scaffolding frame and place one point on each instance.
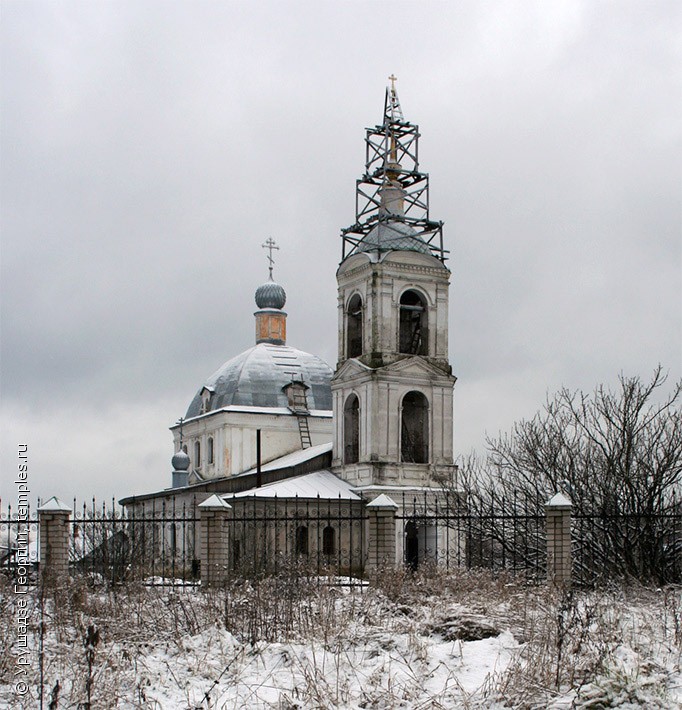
(392, 160)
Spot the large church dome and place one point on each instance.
(255, 378)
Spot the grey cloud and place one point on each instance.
(149, 148)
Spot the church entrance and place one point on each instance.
(421, 543)
(412, 545)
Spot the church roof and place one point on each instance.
(292, 459)
(255, 378)
(323, 484)
(393, 236)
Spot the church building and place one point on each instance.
(276, 432)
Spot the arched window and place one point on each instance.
(414, 432)
(329, 541)
(351, 430)
(210, 455)
(354, 326)
(413, 338)
(301, 540)
(197, 453)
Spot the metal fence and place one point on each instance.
(19, 540)
(158, 543)
(455, 533)
(646, 547)
(154, 543)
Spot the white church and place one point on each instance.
(277, 432)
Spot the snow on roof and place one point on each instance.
(310, 485)
(292, 459)
(246, 409)
(214, 502)
(54, 504)
(383, 501)
(559, 500)
(400, 490)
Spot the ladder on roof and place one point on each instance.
(304, 431)
(299, 406)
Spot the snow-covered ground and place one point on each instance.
(461, 641)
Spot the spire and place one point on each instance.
(391, 193)
(392, 110)
(392, 197)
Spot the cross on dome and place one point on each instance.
(270, 245)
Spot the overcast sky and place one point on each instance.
(148, 148)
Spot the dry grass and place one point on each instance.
(589, 649)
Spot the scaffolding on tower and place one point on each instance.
(393, 190)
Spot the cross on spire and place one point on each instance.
(392, 111)
(270, 245)
(181, 421)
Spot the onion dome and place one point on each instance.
(270, 295)
(180, 461)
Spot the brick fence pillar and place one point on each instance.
(53, 526)
(382, 542)
(558, 522)
(214, 515)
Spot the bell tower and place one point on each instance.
(393, 385)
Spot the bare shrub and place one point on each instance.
(618, 456)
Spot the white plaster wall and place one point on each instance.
(234, 435)
(380, 284)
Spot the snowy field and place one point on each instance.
(405, 641)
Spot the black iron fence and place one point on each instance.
(458, 533)
(19, 552)
(641, 546)
(154, 542)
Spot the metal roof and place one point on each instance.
(393, 236)
(292, 459)
(323, 484)
(255, 379)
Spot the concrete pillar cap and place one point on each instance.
(559, 500)
(214, 502)
(54, 505)
(383, 501)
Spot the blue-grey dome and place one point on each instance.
(393, 236)
(256, 378)
(270, 295)
(180, 461)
